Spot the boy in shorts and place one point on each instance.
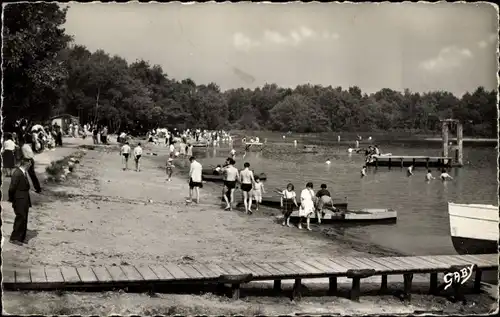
(258, 190)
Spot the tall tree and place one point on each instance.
(33, 39)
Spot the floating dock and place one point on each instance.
(238, 273)
(404, 160)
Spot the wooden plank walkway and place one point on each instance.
(407, 160)
(237, 273)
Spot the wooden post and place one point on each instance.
(235, 291)
(427, 163)
(402, 162)
(408, 278)
(433, 284)
(389, 163)
(460, 143)
(356, 288)
(332, 285)
(477, 281)
(413, 162)
(376, 162)
(445, 138)
(277, 285)
(296, 292)
(383, 284)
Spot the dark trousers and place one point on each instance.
(34, 178)
(104, 139)
(21, 209)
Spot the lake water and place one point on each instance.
(422, 226)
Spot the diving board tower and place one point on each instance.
(446, 126)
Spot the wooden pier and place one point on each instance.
(236, 274)
(403, 160)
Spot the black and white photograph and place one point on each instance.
(250, 159)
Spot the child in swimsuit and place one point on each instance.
(258, 190)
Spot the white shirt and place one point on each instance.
(137, 150)
(9, 145)
(172, 148)
(195, 172)
(288, 195)
(125, 149)
(428, 176)
(233, 151)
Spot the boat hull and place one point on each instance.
(207, 175)
(275, 202)
(363, 215)
(474, 228)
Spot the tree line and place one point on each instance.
(47, 74)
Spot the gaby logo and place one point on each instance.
(461, 276)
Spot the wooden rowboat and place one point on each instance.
(208, 175)
(363, 215)
(275, 201)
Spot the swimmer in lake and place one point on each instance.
(428, 176)
(409, 172)
(233, 154)
(445, 176)
(363, 171)
(328, 162)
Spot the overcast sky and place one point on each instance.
(422, 47)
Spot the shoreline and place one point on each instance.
(110, 216)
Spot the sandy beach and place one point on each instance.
(102, 215)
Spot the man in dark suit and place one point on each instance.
(19, 196)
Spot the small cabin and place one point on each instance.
(64, 120)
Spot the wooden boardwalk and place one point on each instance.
(403, 160)
(67, 278)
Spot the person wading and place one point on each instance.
(195, 182)
(247, 180)
(232, 175)
(19, 196)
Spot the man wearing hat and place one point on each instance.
(19, 196)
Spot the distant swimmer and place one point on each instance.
(409, 172)
(429, 176)
(370, 138)
(233, 153)
(349, 150)
(363, 171)
(445, 176)
(284, 137)
(328, 162)
(338, 138)
(295, 142)
(357, 144)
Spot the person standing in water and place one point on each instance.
(125, 153)
(445, 176)
(429, 176)
(409, 172)
(258, 190)
(247, 180)
(288, 200)
(233, 154)
(232, 175)
(195, 181)
(137, 157)
(363, 171)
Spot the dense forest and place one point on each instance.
(46, 74)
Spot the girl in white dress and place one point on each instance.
(306, 205)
